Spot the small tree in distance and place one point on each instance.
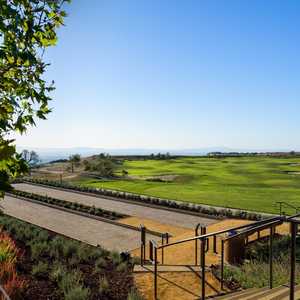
(74, 160)
(31, 157)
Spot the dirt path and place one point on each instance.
(156, 214)
(87, 230)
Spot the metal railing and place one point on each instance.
(244, 231)
(294, 229)
(282, 204)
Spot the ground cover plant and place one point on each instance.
(12, 283)
(54, 267)
(252, 183)
(254, 272)
(92, 210)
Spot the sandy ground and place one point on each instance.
(176, 286)
(187, 285)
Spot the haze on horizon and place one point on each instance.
(175, 75)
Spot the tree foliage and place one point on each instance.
(103, 165)
(27, 28)
(74, 160)
(30, 157)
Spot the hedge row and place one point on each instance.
(92, 210)
(192, 207)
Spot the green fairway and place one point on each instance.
(253, 183)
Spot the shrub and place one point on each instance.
(39, 249)
(255, 273)
(10, 281)
(134, 295)
(69, 248)
(115, 257)
(57, 272)
(103, 285)
(122, 267)
(56, 247)
(40, 270)
(70, 281)
(100, 264)
(77, 293)
(8, 249)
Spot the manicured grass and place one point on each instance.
(253, 183)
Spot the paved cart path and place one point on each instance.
(160, 215)
(93, 232)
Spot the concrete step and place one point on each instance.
(235, 294)
(277, 293)
(267, 292)
(286, 294)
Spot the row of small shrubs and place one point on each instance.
(192, 207)
(256, 273)
(92, 210)
(255, 270)
(76, 271)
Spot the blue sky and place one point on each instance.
(175, 74)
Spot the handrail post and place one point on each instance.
(203, 231)
(196, 242)
(155, 273)
(162, 249)
(203, 242)
(222, 264)
(271, 258)
(143, 244)
(293, 260)
(215, 244)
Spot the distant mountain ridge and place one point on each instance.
(49, 154)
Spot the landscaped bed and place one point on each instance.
(254, 272)
(39, 264)
(92, 210)
(148, 200)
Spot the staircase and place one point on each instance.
(278, 293)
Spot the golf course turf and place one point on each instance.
(253, 183)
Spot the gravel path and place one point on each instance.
(93, 232)
(160, 215)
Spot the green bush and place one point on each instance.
(122, 267)
(40, 270)
(103, 285)
(77, 293)
(115, 257)
(56, 247)
(69, 248)
(255, 273)
(39, 249)
(134, 295)
(57, 272)
(69, 281)
(100, 264)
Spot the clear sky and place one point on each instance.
(175, 74)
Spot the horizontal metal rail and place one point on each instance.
(253, 230)
(291, 217)
(205, 236)
(286, 204)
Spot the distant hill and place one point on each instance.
(49, 154)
